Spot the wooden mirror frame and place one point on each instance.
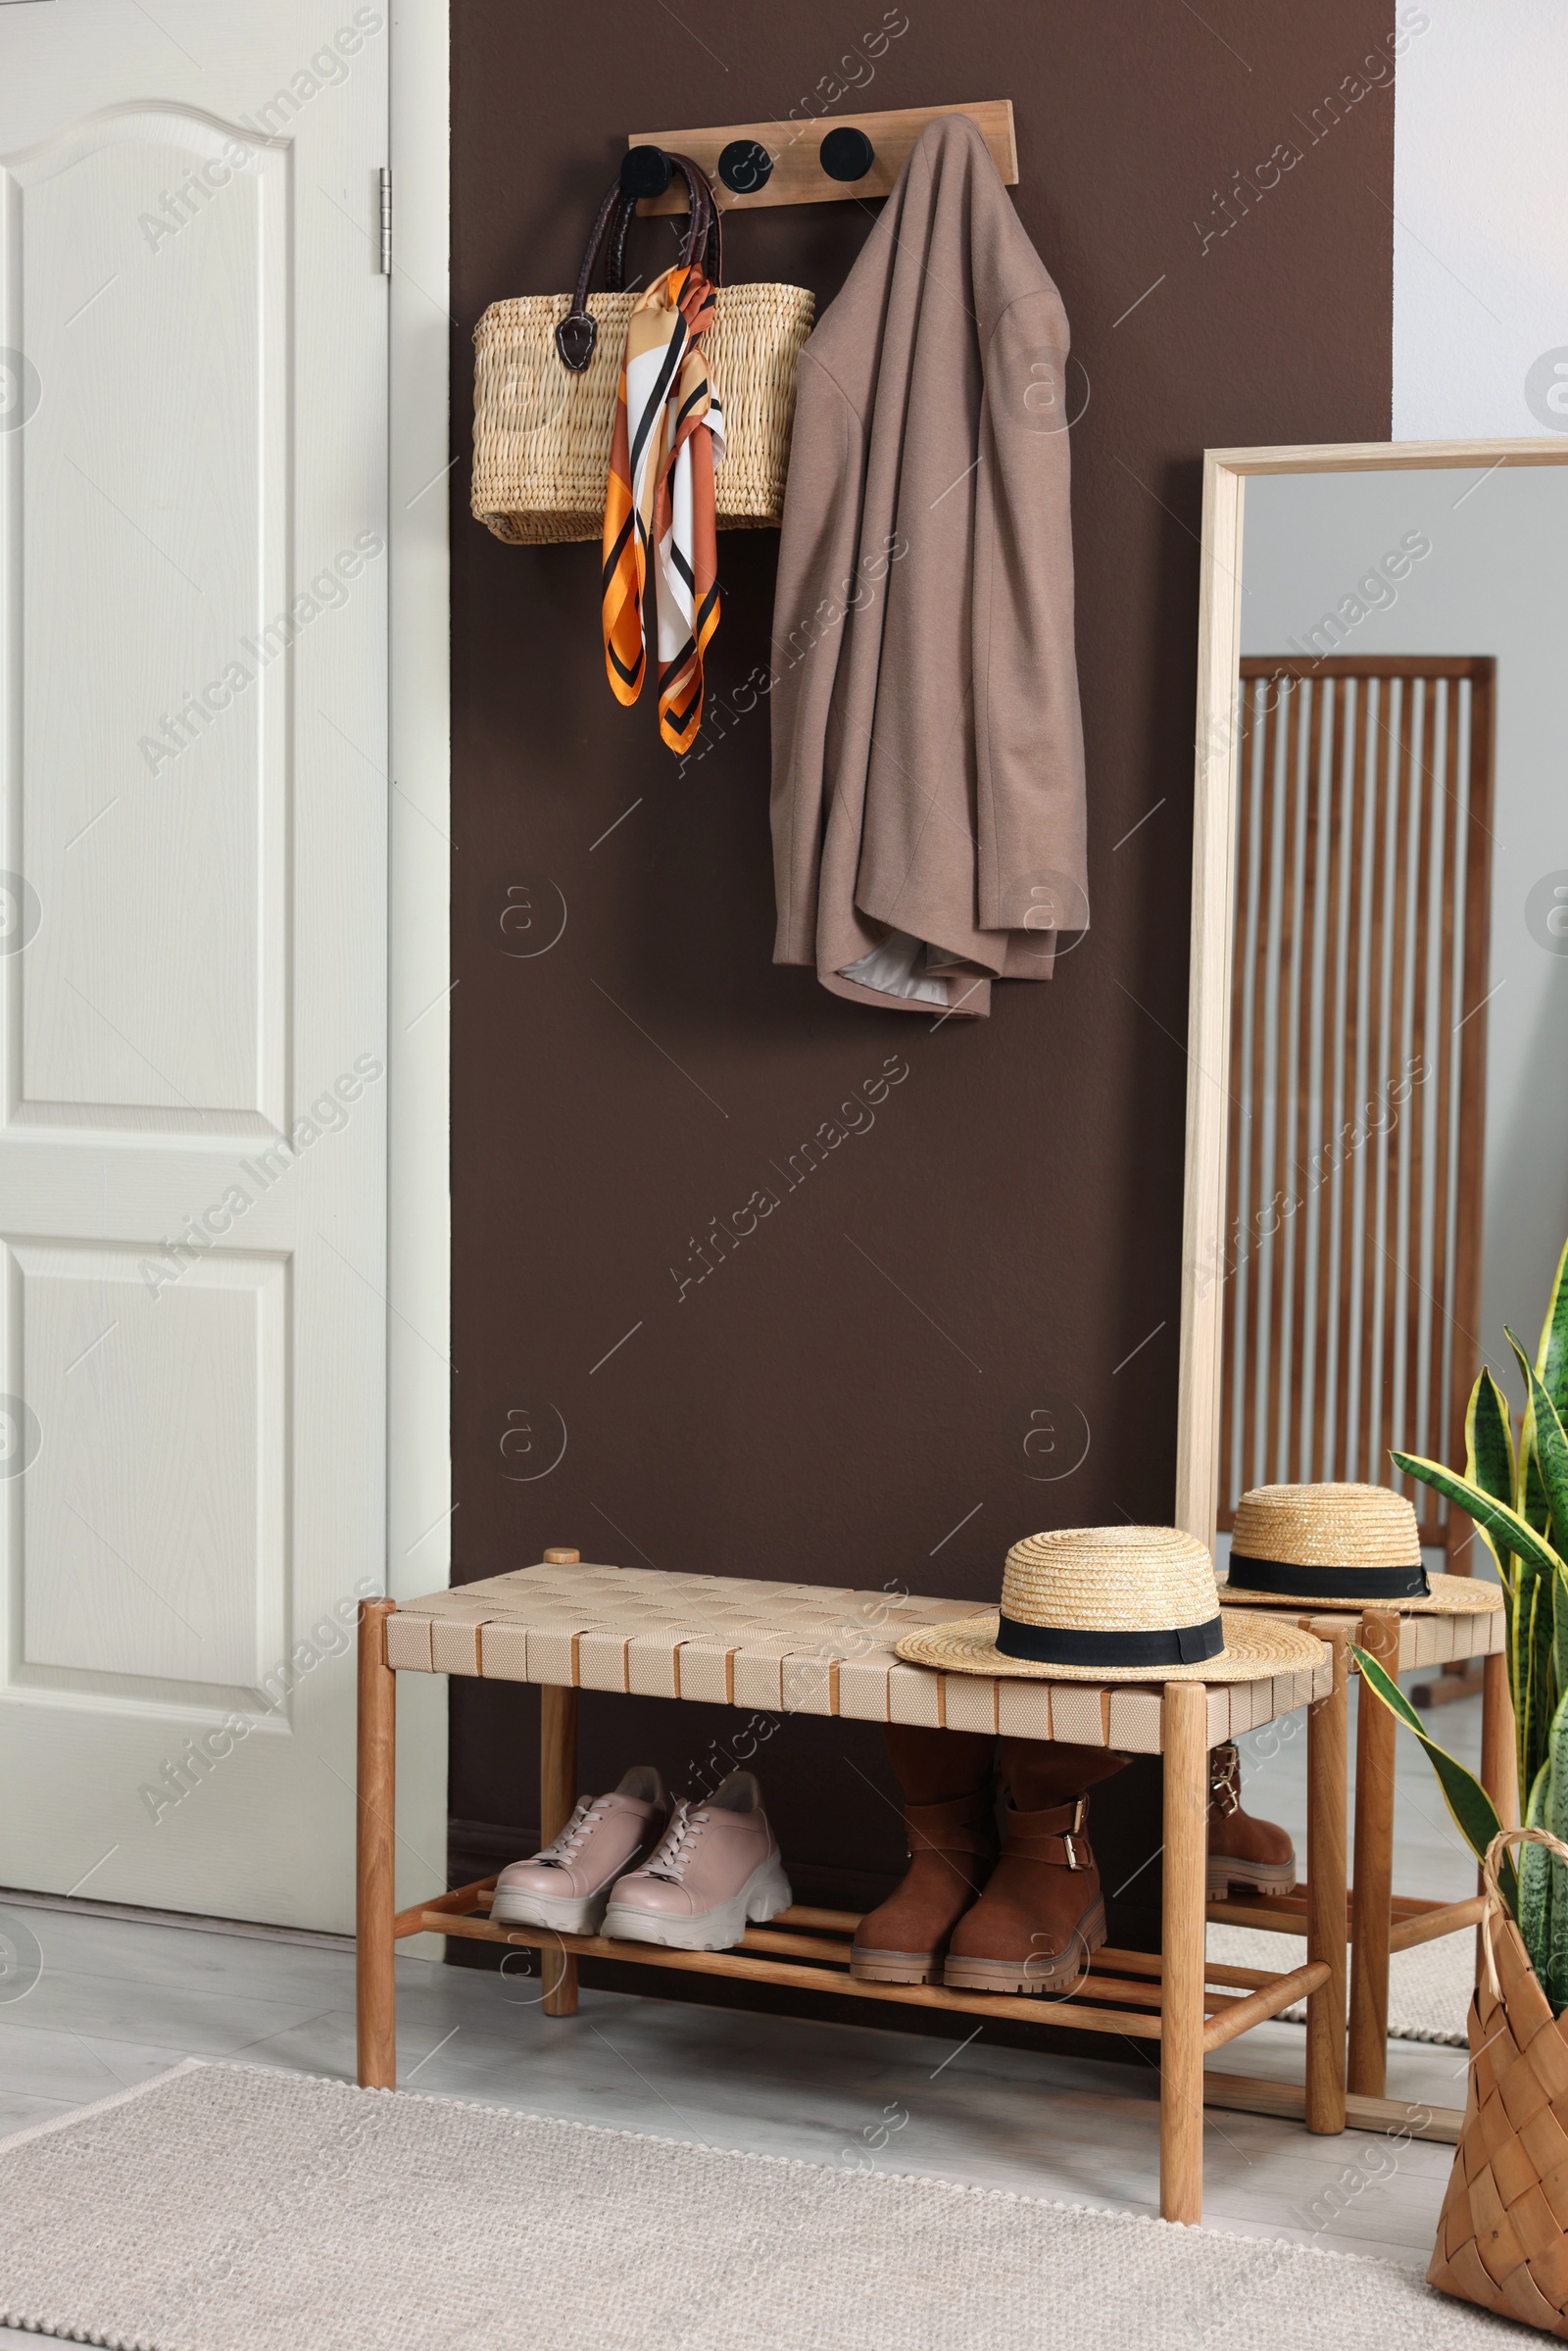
(1220, 645)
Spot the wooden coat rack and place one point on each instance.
(818, 161)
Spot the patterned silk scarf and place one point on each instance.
(669, 435)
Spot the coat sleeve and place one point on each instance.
(816, 559)
(1030, 815)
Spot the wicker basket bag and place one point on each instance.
(1502, 2238)
(549, 371)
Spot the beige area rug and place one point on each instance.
(1429, 1987)
(232, 2208)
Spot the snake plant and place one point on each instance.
(1519, 1503)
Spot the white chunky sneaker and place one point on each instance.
(717, 1867)
(567, 1882)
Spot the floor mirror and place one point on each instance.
(1377, 1128)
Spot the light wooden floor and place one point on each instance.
(118, 2001)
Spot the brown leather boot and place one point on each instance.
(1042, 1916)
(951, 1821)
(1244, 1854)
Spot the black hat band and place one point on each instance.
(1063, 1645)
(1288, 1581)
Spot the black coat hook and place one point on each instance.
(745, 165)
(847, 153)
(645, 172)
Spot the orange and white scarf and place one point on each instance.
(669, 436)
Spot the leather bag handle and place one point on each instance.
(705, 237)
(578, 331)
(1497, 1907)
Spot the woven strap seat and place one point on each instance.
(1424, 1640)
(806, 1648)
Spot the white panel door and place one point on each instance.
(193, 464)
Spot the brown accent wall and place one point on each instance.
(848, 1397)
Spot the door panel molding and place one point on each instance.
(146, 1003)
(419, 1105)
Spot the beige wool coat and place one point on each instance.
(928, 779)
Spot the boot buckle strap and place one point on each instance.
(1060, 1849)
(961, 1840)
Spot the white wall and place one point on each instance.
(1481, 211)
(1496, 581)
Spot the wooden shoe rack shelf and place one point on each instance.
(812, 1948)
(783, 1648)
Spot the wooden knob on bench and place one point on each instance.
(563, 1559)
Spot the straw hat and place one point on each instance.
(1112, 1604)
(1341, 1547)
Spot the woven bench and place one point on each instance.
(773, 1648)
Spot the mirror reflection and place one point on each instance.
(1398, 1148)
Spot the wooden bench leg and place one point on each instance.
(374, 1949)
(558, 1793)
(1499, 1772)
(1372, 1915)
(1184, 1741)
(1327, 1742)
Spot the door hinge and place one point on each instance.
(386, 220)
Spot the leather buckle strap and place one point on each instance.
(1072, 1819)
(957, 1825)
(1065, 1850)
(1225, 1778)
(1054, 1835)
(951, 1840)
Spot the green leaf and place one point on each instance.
(1535, 1880)
(1533, 1668)
(1499, 1519)
(1551, 1445)
(1551, 1359)
(1472, 1809)
(1546, 1456)
(1489, 1460)
(1532, 1504)
(1555, 1981)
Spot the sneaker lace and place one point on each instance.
(563, 1849)
(677, 1844)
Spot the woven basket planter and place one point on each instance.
(541, 435)
(1502, 2238)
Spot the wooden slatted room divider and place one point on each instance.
(1358, 1071)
